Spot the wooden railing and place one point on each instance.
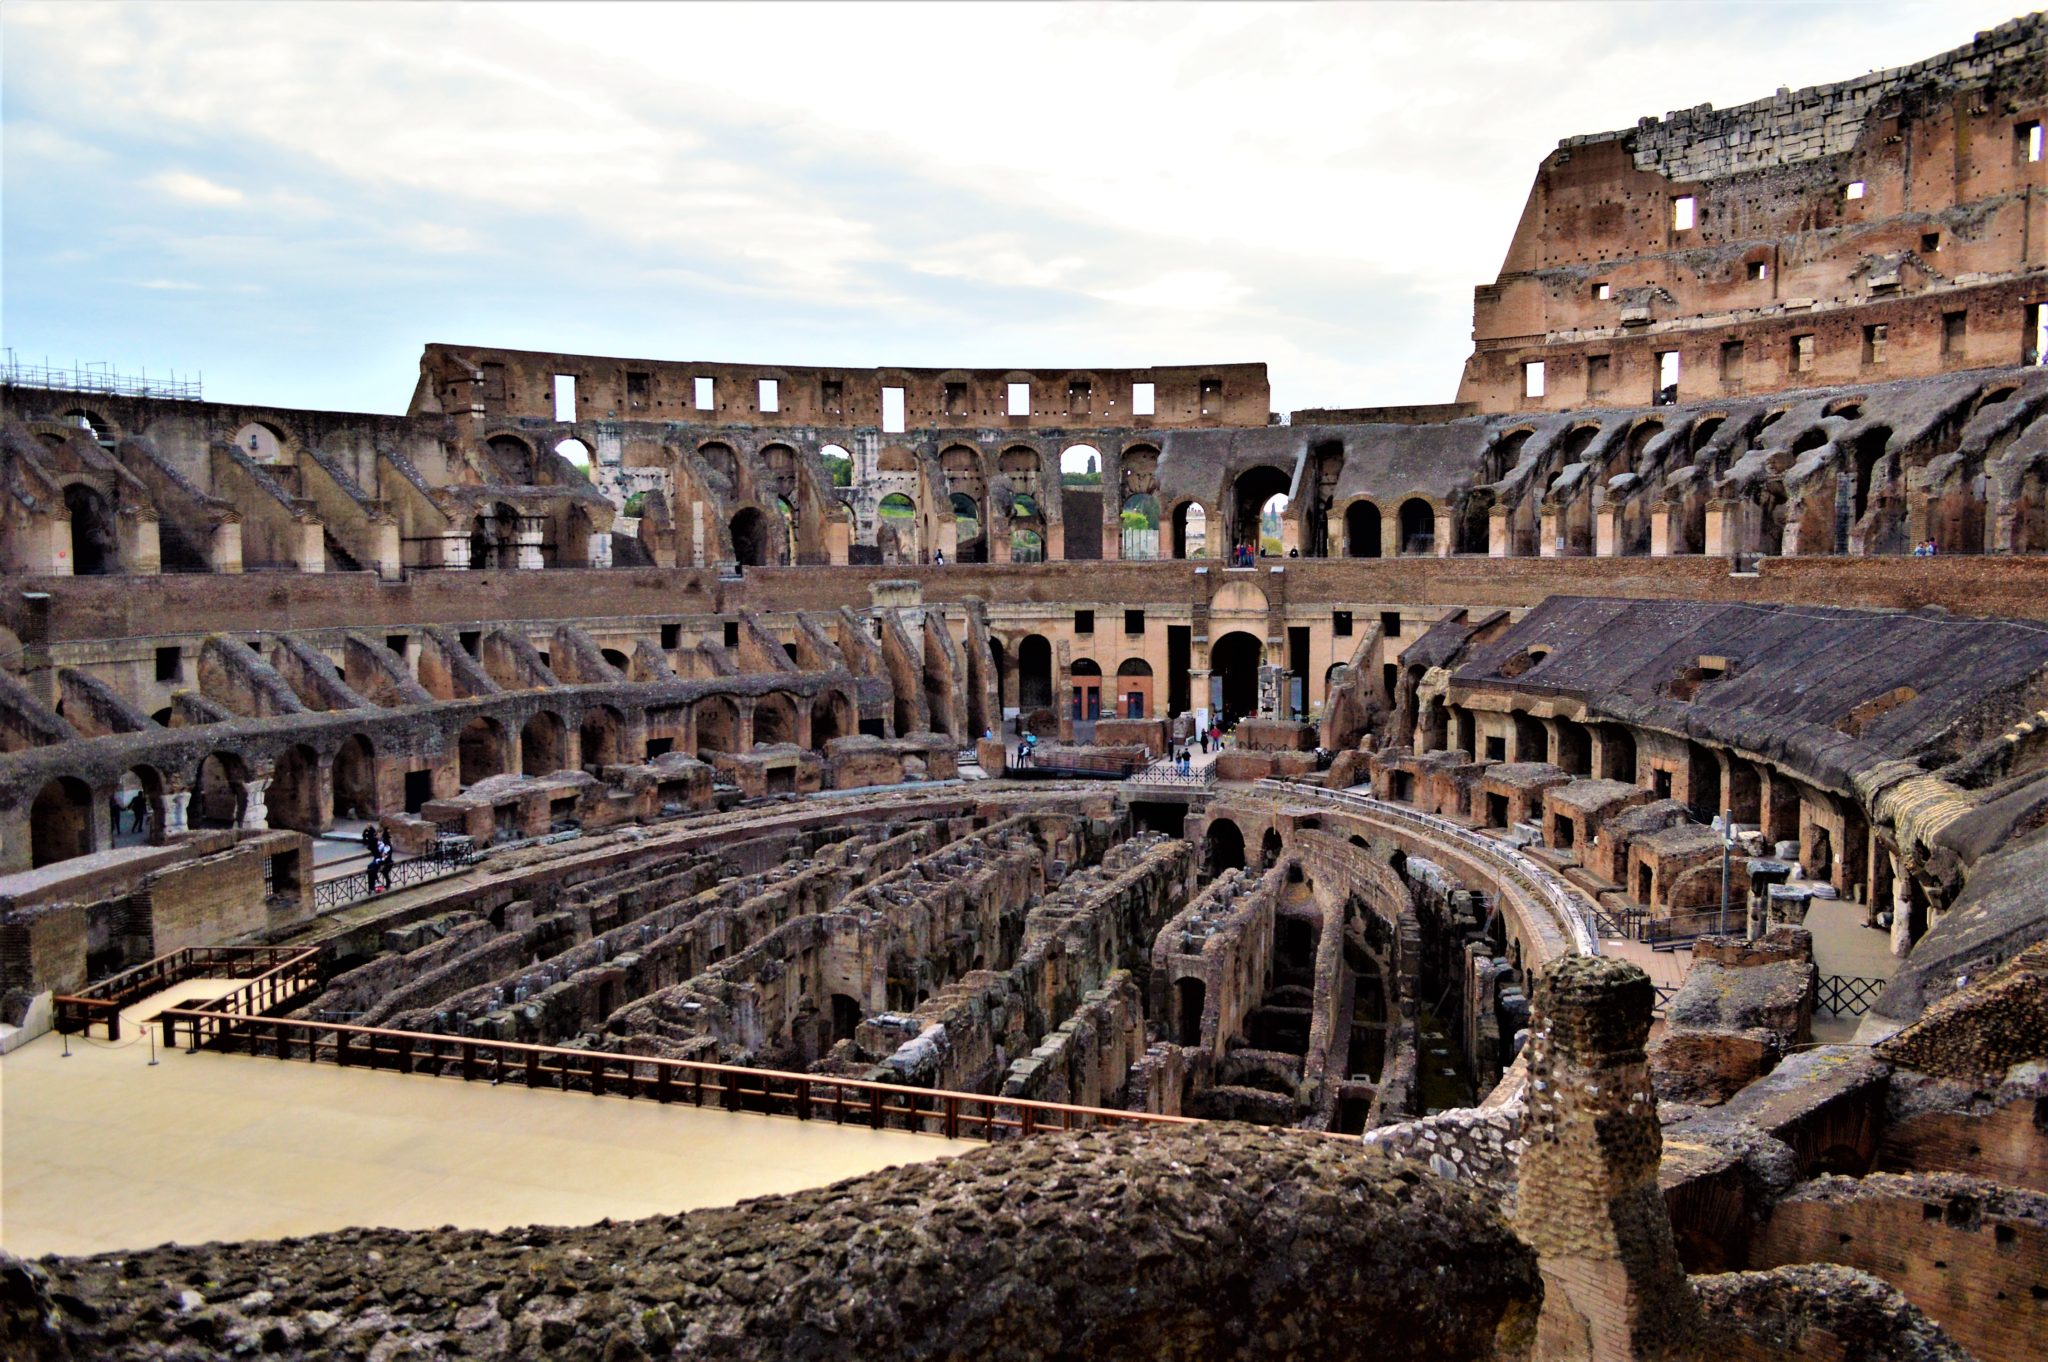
(807, 1097)
(276, 975)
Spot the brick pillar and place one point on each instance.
(1588, 1202)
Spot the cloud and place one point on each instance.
(1317, 185)
(190, 188)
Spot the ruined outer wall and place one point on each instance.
(1951, 218)
(519, 384)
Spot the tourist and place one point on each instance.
(939, 558)
(381, 857)
(370, 837)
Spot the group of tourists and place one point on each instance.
(1925, 549)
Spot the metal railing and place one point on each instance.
(96, 378)
(276, 974)
(1167, 774)
(807, 1097)
(450, 855)
(1848, 995)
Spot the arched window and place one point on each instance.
(1418, 526)
(1190, 530)
(1362, 530)
(60, 821)
(1141, 527)
(752, 539)
(95, 543)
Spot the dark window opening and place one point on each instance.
(671, 636)
(639, 390)
(1390, 624)
(396, 643)
(168, 661)
(956, 399)
(1496, 749)
(471, 640)
(1930, 242)
(284, 873)
(732, 634)
(1134, 621)
(660, 747)
(1084, 621)
(1953, 330)
(1340, 623)
(419, 788)
(1759, 270)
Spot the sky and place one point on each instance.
(292, 199)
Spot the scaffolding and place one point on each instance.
(96, 378)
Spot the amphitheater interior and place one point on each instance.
(1558, 874)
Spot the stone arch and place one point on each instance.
(1085, 680)
(831, 717)
(541, 746)
(494, 537)
(1134, 688)
(102, 431)
(220, 790)
(753, 538)
(293, 795)
(1270, 848)
(480, 750)
(60, 821)
(264, 442)
(717, 721)
(1251, 492)
(1417, 527)
(1190, 530)
(1034, 673)
(1362, 529)
(1234, 660)
(514, 458)
(140, 793)
(774, 718)
(1223, 846)
(1138, 523)
(600, 738)
(95, 538)
(354, 779)
(970, 544)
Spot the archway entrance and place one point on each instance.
(1134, 688)
(139, 808)
(1253, 505)
(60, 821)
(217, 794)
(1140, 526)
(1225, 843)
(774, 720)
(95, 547)
(598, 738)
(1234, 662)
(494, 541)
(751, 540)
(1087, 678)
(718, 725)
(1362, 530)
(1418, 527)
(478, 751)
(355, 779)
(1034, 673)
(969, 546)
(293, 798)
(540, 745)
(1190, 530)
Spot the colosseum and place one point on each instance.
(1092, 866)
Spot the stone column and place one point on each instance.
(1902, 908)
(455, 551)
(255, 813)
(1613, 1287)
(1500, 532)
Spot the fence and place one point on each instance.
(1848, 995)
(276, 975)
(449, 855)
(1102, 766)
(807, 1097)
(1165, 773)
